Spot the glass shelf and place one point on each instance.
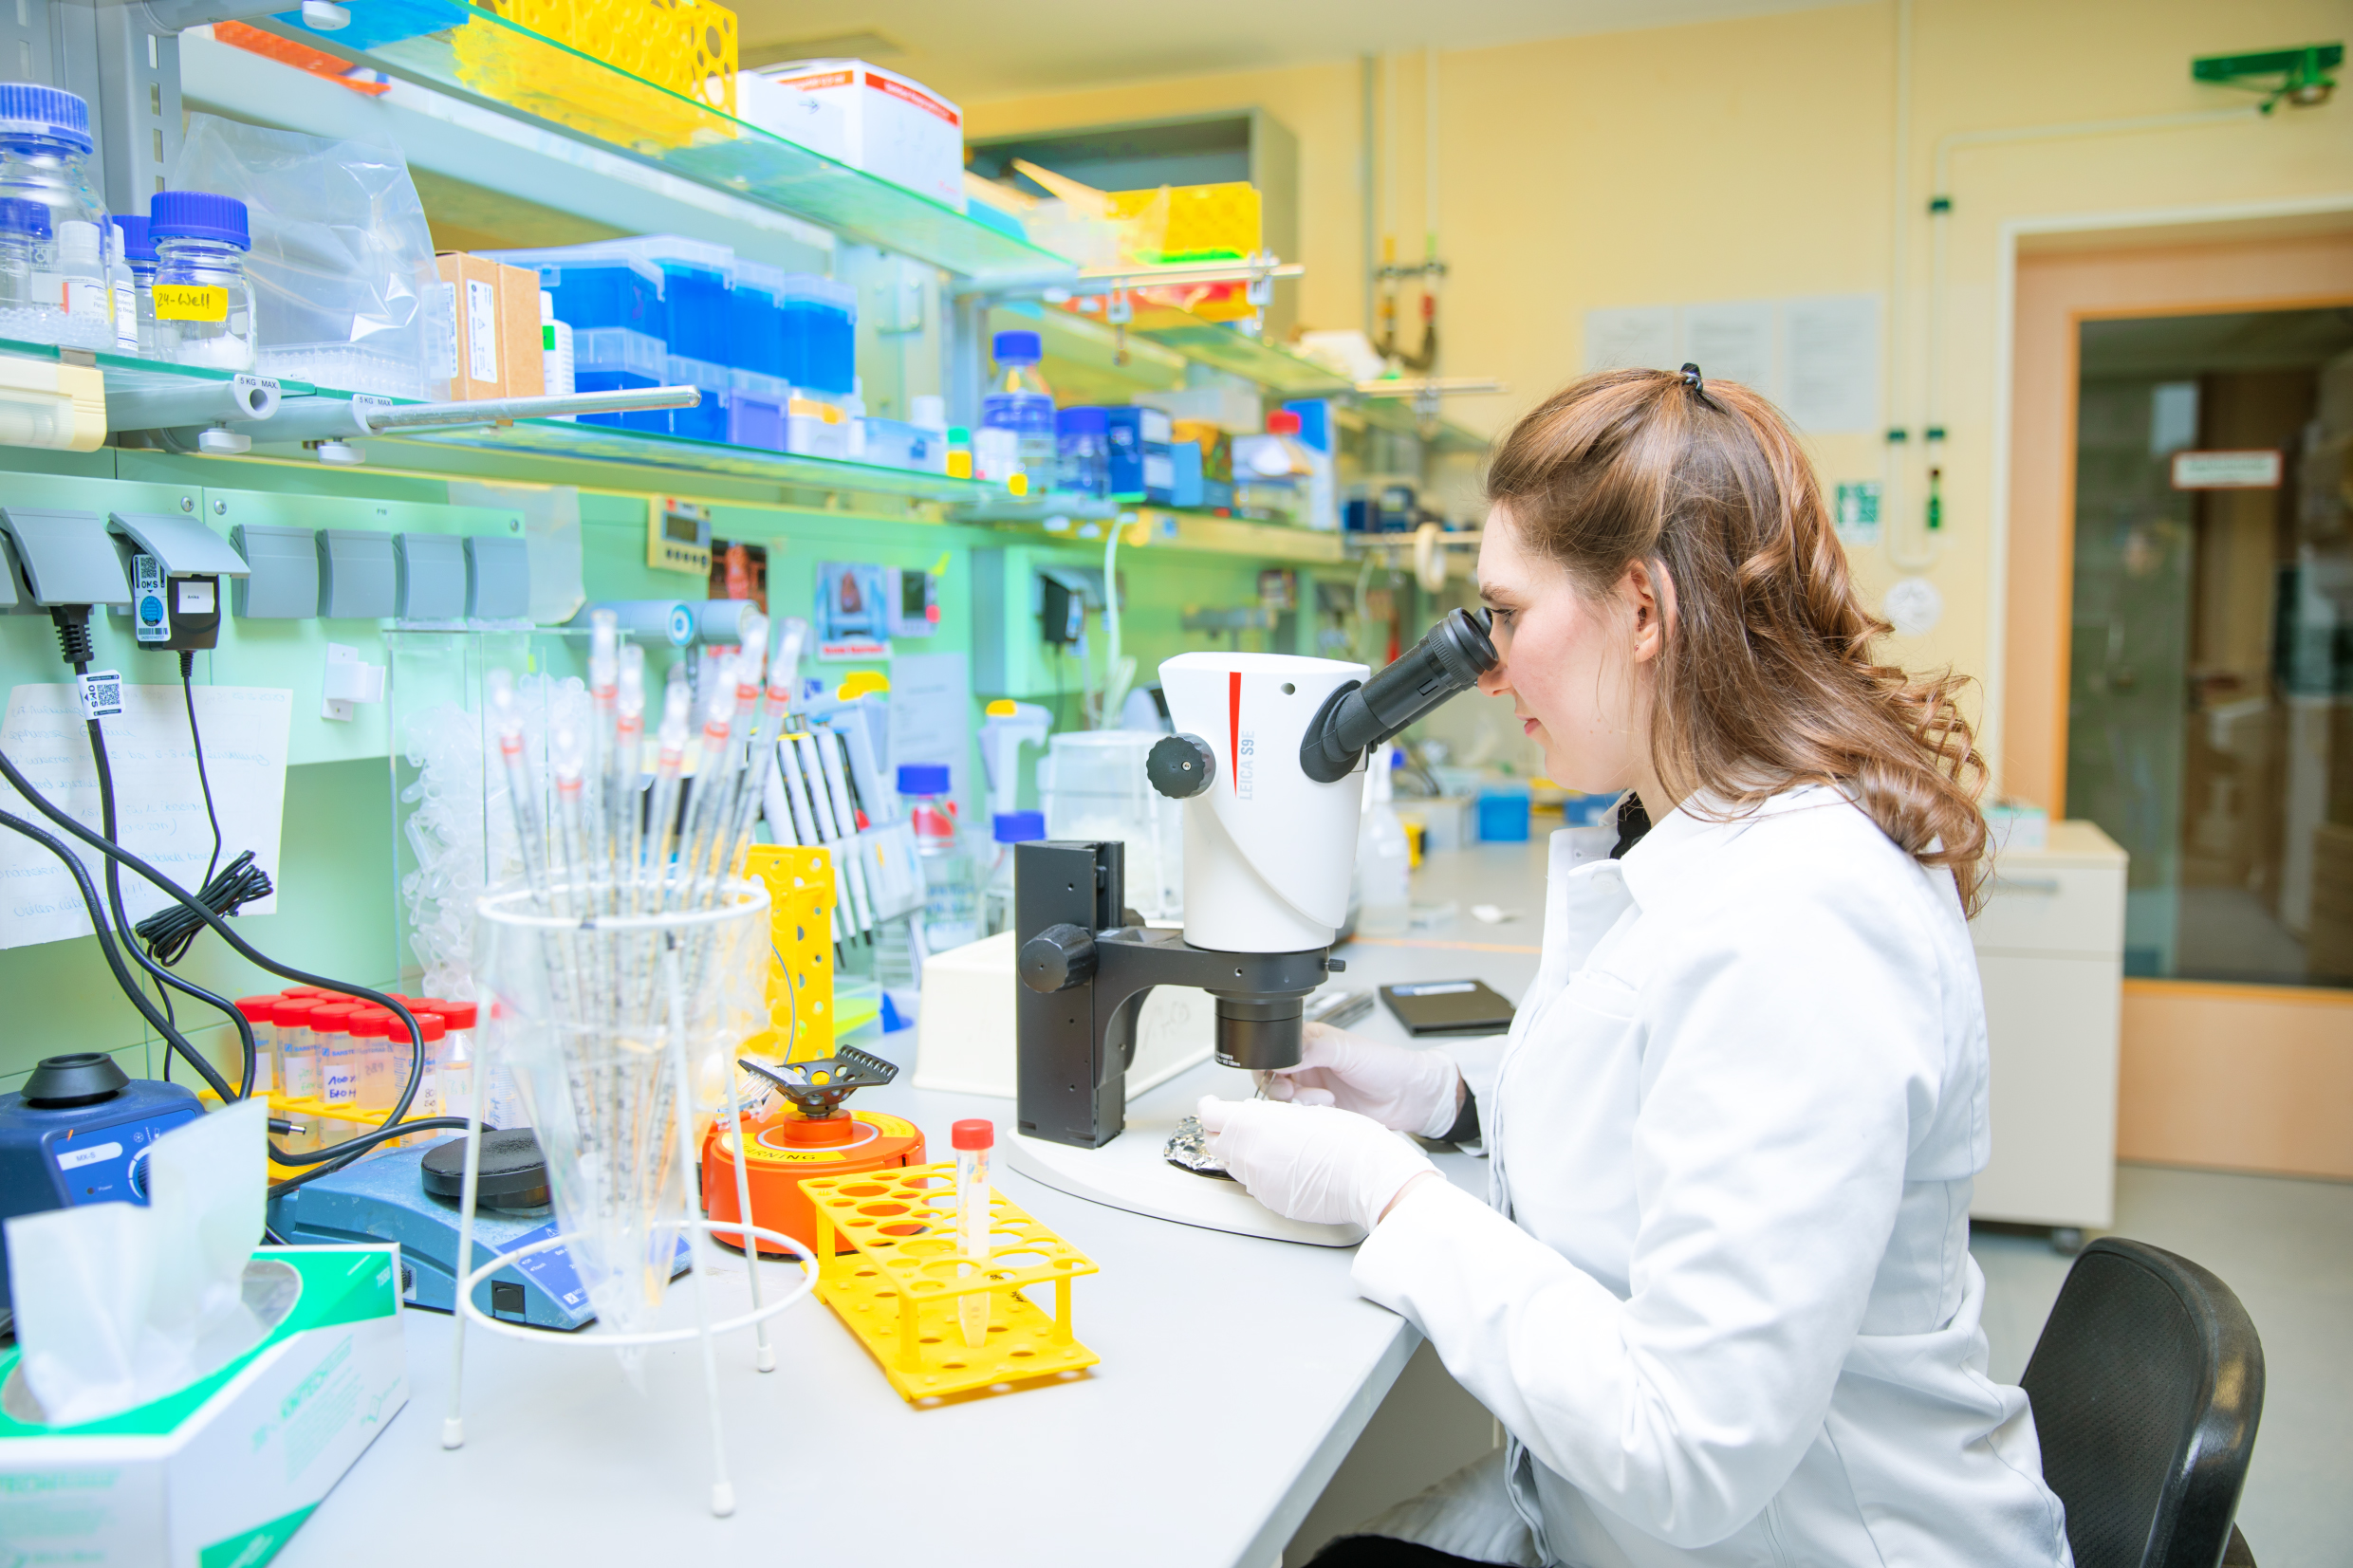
(678, 454)
(493, 62)
(1278, 370)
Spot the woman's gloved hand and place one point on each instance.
(1311, 1162)
(1408, 1090)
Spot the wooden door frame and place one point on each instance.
(2209, 223)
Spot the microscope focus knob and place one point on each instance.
(1058, 958)
(1180, 767)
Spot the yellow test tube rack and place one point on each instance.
(899, 1291)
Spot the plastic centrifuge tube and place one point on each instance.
(262, 1013)
(972, 1139)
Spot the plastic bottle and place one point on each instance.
(262, 1013)
(555, 343)
(130, 288)
(854, 414)
(204, 303)
(951, 894)
(1007, 828)
(338, 1065)
(1083, 460)
(44, 145)
(1023, 405)
(1382, 856)
(298, 1051)
(452, 1069)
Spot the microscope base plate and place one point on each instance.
(1130, 1172)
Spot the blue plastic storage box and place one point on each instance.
(1503, 814)
(755, 322)
(819, 323)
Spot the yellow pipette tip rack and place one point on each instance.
(899, 1291)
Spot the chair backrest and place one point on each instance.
(2146, 1384)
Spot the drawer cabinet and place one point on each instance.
(2051, 951)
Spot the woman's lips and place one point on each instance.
(1527, 727)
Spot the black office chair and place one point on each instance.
(2147, 1384)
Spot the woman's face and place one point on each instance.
(1574, 669)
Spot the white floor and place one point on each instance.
(2285, 1247)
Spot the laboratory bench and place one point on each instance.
(1237, 1374)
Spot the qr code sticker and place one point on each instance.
(102, 694)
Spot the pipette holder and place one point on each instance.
(610, 1021)
(897, 1292)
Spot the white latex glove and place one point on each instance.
(1408, 1090)
(1311, 1162)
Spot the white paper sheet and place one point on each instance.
(158, 804)
(1732, 340)
(1637, 337)
(932, 717)
(1833, 354)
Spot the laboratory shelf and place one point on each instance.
(492, 62)
(1093, 349)
(678, 455)
(1191, 532)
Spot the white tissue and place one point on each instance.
(117, 1306)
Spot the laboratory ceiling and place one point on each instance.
(976, 53)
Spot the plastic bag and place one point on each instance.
(341, 264)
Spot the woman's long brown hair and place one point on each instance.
(1767, 678)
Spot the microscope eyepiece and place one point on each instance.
(1446, 662)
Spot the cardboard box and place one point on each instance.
(227, 1469)
(498, 349)
(889, 125)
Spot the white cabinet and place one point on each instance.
(2051, 950)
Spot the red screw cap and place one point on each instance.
(973, 1133)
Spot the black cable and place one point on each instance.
(169, 931)
(329, 1159)
(196, 737)
(123, 977)
(164, 977)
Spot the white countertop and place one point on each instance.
(1235, 1374)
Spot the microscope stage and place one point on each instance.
(1132, 1172)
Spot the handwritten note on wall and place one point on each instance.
(158, 804)
(1818, 358)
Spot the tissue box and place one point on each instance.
(227, 1469)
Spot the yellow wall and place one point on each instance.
(1752, 158)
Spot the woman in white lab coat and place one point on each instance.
(1720, 1296)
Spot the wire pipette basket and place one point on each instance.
(621, 1029)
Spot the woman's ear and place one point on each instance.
(1648, 598)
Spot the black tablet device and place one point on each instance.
(1448, 1007)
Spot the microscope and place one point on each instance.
(1268, 757)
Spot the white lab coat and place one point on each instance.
(1723, 1301)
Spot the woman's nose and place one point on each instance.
(1496, 682)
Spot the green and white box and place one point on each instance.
(222, 1473)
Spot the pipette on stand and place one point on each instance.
(622, 798)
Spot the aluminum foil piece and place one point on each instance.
(1187, 1149)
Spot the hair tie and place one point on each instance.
(1699, 387)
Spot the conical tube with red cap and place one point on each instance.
(972, 1140)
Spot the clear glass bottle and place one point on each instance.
(1021, 403)
(44, 144)
(1383, 857)
(204, 303)
(1007, 828)
(24, 242)
(134, 288)
(950, 891)
(1082, 462)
